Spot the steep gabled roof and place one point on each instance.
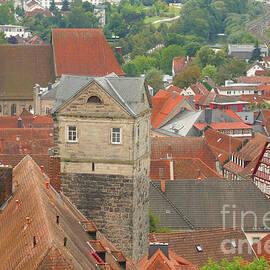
(160, 261)
(221, 144)
(254, 79)
(181, 63)
(196, 204)
(22, 66)
(199, 89)
(30, 237)
(211, 242)
(83, 52)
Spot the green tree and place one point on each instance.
(3, 39)
(119, 58)
(167, 55)
(153, 77)
(52, 6)
(205, 56)
(237, 263)
(192, 48)
(77, 18)
(6, 13)
(209, 71)
(88, 6)
(190, 75)
(65, 6)
(130, 69)
(256, 53)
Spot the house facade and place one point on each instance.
(102, 136)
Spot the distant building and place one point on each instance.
(14, 30)
(244, 51)
(100, 13)
(179, 64)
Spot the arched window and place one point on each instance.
(94, 99)
(30, 108)
(13, 109)
(0, 108)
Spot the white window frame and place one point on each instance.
(120, 135)
(67, 133)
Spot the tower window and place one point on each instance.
(116, 135)
(72, 134)
(199, 248)
(93, 166)
(94, 99)
(13, 109)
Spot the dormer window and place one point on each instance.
(94, 100)
(198, 248)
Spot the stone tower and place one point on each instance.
(102, 135)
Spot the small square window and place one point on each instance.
(72, 134)
(116, 135)
(234, 244)
(255, 240)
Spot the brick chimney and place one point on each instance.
(5, 182)
(163, 185)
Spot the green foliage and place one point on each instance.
(52, 6)
(20, 11)
(209, 71)
(237, 263)
(256, 53)
(88, 6)
(65, 6)
(119, 58)
(130, 69)
(3, 40)
(7, 17)
(154, 221)
(190, 75)
(153, 77)
(167, 55)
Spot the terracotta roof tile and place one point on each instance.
(254, 79)
(181, 63)
(40, 205)
(211, 242)
(22, 66)
(221, 144)
(262, 248)
(230, 125)
(83, 52)
(159, 169)
(199, 89)
(160, 261)
(182, 147)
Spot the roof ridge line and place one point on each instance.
(179, 212)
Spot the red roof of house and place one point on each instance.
(163, 105)
(30, 237)
(261, 72)
(175, 89)
(230, 125)
(182, 147)
(161, 262)
(199, 89)
(213, 242)
(183, 169)
(221, 144)
(253, 98)
(181, 63)
(83, 52)
(255, 79)
(262, 247)
(200, 126)
(233, 115)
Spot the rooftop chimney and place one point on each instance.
(153, 247)
(163, 185)
(49, 86)
(208, 116)
(5, 183)
(19, 122)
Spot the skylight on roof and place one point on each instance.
(219, 155)
(233, 244)
(219, 139)
(198, 248)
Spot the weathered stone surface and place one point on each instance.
(118, 205)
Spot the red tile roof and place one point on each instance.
(252, 98)
(230, 125)
(182, 147)
(261, 72)
(200, 126)
(164, 104)
(221, 144)
(211, 242)
(262, 248)
(175, 89)
(199, 89)
(160, 261)
(160, 169)
(83, 52)
(30, 237)
(181, 63)
(254, 79)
